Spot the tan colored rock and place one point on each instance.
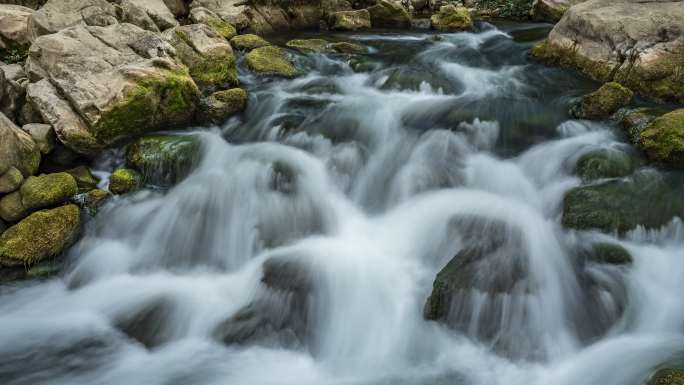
(551, 10)
(119, 81)
(204, 16)
(17, 149)
(57, 15)
(14, 89)
(351, 20)
(43, 135)
(14, 25)
(11, 208)
(158, 12)
(10, 180)
(388, 14)
(639, 44)
(132, 13)
(248, 42)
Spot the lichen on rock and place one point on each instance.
(47, 190)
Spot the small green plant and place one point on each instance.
(508, 8)
(15, 54)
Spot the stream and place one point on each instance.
(303, 246)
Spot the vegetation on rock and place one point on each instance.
(163, 159)
(47, 190)
(124, 180)
(270, 60)
(603, 102)
(663, 139)
(451, 19)
(221, 105)
(606, 163)
(248, 42)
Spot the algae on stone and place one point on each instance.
(248, 42)
(164, 160)
(124, 180)
(603, 102)
(271, 61)
(47, 190)
(85, 179)
(348, 48)
(387, 14)
(353, 20)
(663, 139)
(220, 105)
(11, 207)
(451, 19)
(41, 235)
(606, 163)
(309, 45)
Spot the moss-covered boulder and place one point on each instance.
(41, 235)
(348, 48)
(663, 139)
(204, 16)
(163, 160)
(550, 10)
(124, 180)
(271, 61)
(85, 179)
(619, 205)
(221, 105)
(603, 102)
(248, 42)
(388, 14)
(47, 190)
(606, 163)
(354, 20)
(10, 180)
(92, 200)
(451, 19)
(667, 376)
(635, 121)
(208, 56)
(309, 45)
(607, 253)
(11, 207)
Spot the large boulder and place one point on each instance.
(351, 20)
(270, 60)
(619, 205)
(221, 105)
(99, 85)
(208, 55)
(603, 102)
(47, 190)
(11, 207)
(452, 19)
(57, 15)
(158, 11)
(164, 160)
(607, 163)
(388, 14)
(13, 26)
(551, 10)
(42, 235)
(17, 149)
(639, 44)
(663, 139)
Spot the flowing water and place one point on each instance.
(303, 246)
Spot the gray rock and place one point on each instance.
(158, 12)
(14, 89)
(17, 149)
(43, 135)
(10, 180)
(11, 207)
(551, 10)
(57, 15)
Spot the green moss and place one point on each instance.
(15, 54)
(124, 180)
(514, 9)
(270, 60)
(663, 140)
(85, 180)
(164, 160)
(47, 190)
(668, 376)
(93, 199)
(606, 163)
(348, 48)
(603, 102)
(221, 27)
(609, 253)
(386, 14)
(309, 45)
(635, 121)
(166, 98)
(221, 105)
(41, 235)
(248, 42)
(351, 20)
(451, 18)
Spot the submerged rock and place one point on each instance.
(620, 205)
(603, 102)
(635, 121)
(309, 45)
(41, 235)
(271, 61)
(163, 159)
(348, 48)
(608, 253)
(351, 20)
(451, 19)
(47, 190)
(387, 14)
(606, 163)
(124, 180)
(663, 139)
(612, 41)
(221, 105)
(248, 42)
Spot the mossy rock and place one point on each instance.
(167, 98)
(41, 235)
(11, 207)
(348, 48)
(667, 376)
(620, 205)
(603, 102)
(222, 27)
(635, 121)
(47, 190)
(271, 61)
(663, 139)
(163, 160)
(606, 163)
(608, 253)
(248, 42)
(309, 45)
(387, 14)
(124, 180)
(451, 19)
(85, 179)
(353, 20)
(542, 11)
(221, 105)
(10, 180)
(92, 200)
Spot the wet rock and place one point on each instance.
(551, 10)
(608, 253)
(208, 56)
(85, 180)
(248, 42)
(387, 14)
(41, 235)
(57, 15)
(10, 180)
(603, 102)
(93, 199)
(308, 45)
(663, 139)
(606, 163)
(209, 18)
(635, 121)
(221, 105)
(47, 190)
(667, 376)
(127, 84)
(13, 27)
(452, 19)
(12, 208)
(43, 135)
(610, 41)
(163, 159)
(620, 205)
(147, 323)
(348, 48)
(124, 180)
(351, 20)
(271, 61)
(17, 149)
